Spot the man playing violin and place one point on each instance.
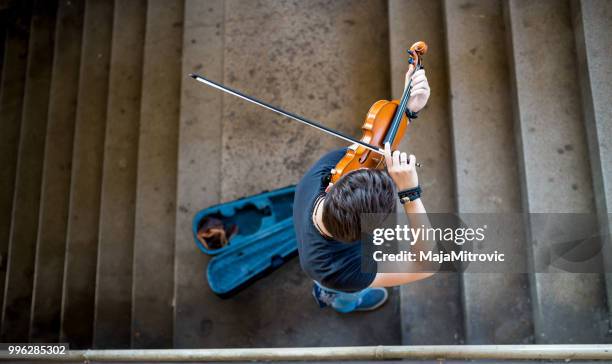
(328, 226)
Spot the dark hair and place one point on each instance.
(358, 192)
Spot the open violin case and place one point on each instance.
(248, 238)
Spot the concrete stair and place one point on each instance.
(199, 152)
(591, 21)
(486, 175)
(84, 211)
(554, 161)
(14, 62)
(113, 305)
(55, 190)
(28, 174)
(154, 234)
(108, 149)
(440, 295)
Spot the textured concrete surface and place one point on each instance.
(199, 166)
(11, 101)
(486, 171)
(2, 41)
(324, 60)
(429, 140)
(3, 17)
(114, 269)
(279, 311)
(22, 243)
(84, 213)
(316, 59)
(568, 308)
(154, 236)
(3, 20)
(592, 22)
(54, 201)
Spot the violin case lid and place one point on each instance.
(265, 239)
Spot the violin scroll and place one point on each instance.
(415, 52)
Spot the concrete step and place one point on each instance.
(82, 239)
(430, 141)
(153, 270)
(11, 106)
(554, 165)
(325, 61)
(54, 201)
(592, 22)
(3, 26)
(486, 175)
(22, 243)
(286, 68)
(199, 165)
(115, 249)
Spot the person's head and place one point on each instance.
(359, 192)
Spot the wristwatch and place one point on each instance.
(409, 195)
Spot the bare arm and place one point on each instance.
(417, 217)
(402, 169)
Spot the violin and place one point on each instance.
(386, 122)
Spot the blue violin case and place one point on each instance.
(264, 240)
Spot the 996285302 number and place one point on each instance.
(35, 349)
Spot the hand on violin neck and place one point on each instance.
(401, 168)
(420, 91)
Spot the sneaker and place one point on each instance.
(371, 299)
(365, 300)
(321, 296)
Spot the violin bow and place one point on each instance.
(288, 114)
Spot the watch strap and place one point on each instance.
(411, 114)
(410, 194)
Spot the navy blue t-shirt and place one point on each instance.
(332, 263)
